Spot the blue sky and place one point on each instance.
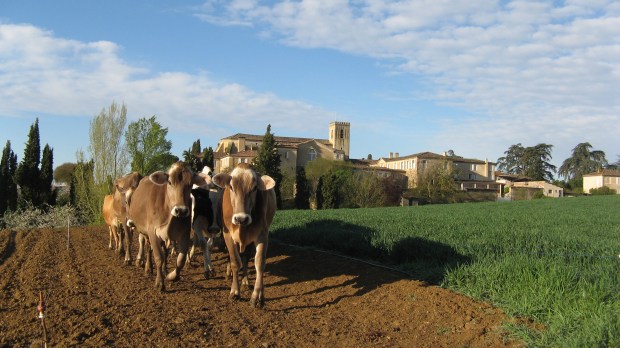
(473, 76)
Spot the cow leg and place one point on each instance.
(258, 297)
(120, 238)
(206, 252)
(234, 262)
(140, 256)
(158, 258)
(110, 245)
(128, 238)
(183, 246)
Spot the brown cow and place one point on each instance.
(248, 207)
(160, 211)
(115, 213)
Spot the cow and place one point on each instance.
(206, 224)
(160, 212)
(248, 207)
(114, 213)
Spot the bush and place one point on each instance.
(31, 217)
(602, 191)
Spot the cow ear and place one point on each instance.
(119, 186)
(266, 183)
(221, 179)
(159, 178)
(201, 179)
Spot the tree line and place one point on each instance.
(116, 148)
(534, 162)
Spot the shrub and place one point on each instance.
(602, 191)
(32, 217)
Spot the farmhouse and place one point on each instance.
(606, 177)
(294, 152)
(470, 174)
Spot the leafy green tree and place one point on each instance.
(537, 164)
(8, 187)
(190, 156)
(267, 162)
(27, 175)
(366, 190)
(207, 157)
(533, 161)
(83, 193)
(583, 160)
(436, 183)
(512, 162)
(302, 190)
(47, 192)
(336, 187)
(197, 158)
(62, 173)
(148, 147)
(106, 144)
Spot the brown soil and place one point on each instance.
(312, 300)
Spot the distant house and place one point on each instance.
(526, 186)
(294, 152)
(606, 177)
(470, 174)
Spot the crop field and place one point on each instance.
(554, 261)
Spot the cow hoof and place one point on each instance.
(209, 274)
(234, 297)
(127, 262)
(139, 263)
(160, 286)
(256, 303)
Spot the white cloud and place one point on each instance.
(532, 71)
(40, 73)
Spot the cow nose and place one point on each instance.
(180, 211)
(214, 229)
(241, 219)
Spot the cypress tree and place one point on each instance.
(47, 193)
(302, 190)
(27, 175)
(8, 188)
(267, 162)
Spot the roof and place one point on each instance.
(432, 155)
(282, 141)
(513, 177)
(605, 172)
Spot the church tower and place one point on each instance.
(339, 136)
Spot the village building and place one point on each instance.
(606, 177)
(294, 152)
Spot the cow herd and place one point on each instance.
(180, 210)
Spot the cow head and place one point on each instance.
(179, 180)
(127, 184)
(243, 183)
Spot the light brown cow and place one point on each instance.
(114, 213)
(248, 207)
(160, 211)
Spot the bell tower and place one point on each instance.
(340, 136)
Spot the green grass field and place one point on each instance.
(556, 261)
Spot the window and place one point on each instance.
(341, 133)
(286, 154)
(311, 154)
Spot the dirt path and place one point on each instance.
(312, 300)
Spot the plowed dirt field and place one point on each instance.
(312, 299)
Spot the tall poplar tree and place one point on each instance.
(107, 148)
(8, 187)
(27, 175)
(46, 191)
(267, 162)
